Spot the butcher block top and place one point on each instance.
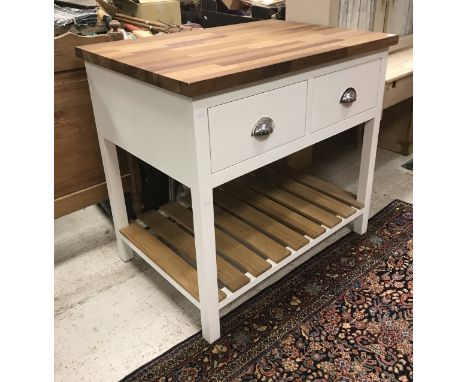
(199, 62)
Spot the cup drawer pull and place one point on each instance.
(263, 127)
(349, 96)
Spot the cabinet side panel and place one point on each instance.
(148, 122)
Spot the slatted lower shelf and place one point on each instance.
(262, 221)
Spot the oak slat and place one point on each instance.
(259, 220)
(229, 276)
(166, 259)
(275, 210)
(327, 188)
(228, 247)
(204, 61)
(291, 201)
(247, 234)
(306, 193)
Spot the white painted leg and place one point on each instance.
(203, 220)
(116, 196)
(366, 172)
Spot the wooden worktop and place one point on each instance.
(200, 62)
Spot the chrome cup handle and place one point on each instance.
(263, 127)
(349, 96)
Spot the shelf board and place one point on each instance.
(263, 221)
(277, 211)
(184, 243)
(327, 188)
(325, 202)
(291, 201)
(248, 235)
(166, 259)
(231, 249)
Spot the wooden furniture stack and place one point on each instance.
(78, 174)
(214, 109)
(397, 119)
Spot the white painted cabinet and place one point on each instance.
(231, 124)
(245, 217)
(327, 91)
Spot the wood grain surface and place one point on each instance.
(291, 201)
(260, 221)
(78, 174)
(245, 233)
(64, 57)
(184, 243)
(248, 235)
(78, 162)
(231, 249)
(327, 188)
(276, 210)
(323, 201)
(399, 65)
(203, 61)
(252, 231)
(165, 258)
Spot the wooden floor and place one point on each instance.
(261, 219)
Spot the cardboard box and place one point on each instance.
(232, 5)
(309, 12)
(152, 10)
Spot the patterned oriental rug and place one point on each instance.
(345, 315)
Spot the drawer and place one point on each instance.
(231, 124)
(329, 88)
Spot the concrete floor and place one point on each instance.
(111, 317)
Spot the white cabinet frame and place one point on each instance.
(171, 133)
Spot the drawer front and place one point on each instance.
(328, 90)
(232, 124)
